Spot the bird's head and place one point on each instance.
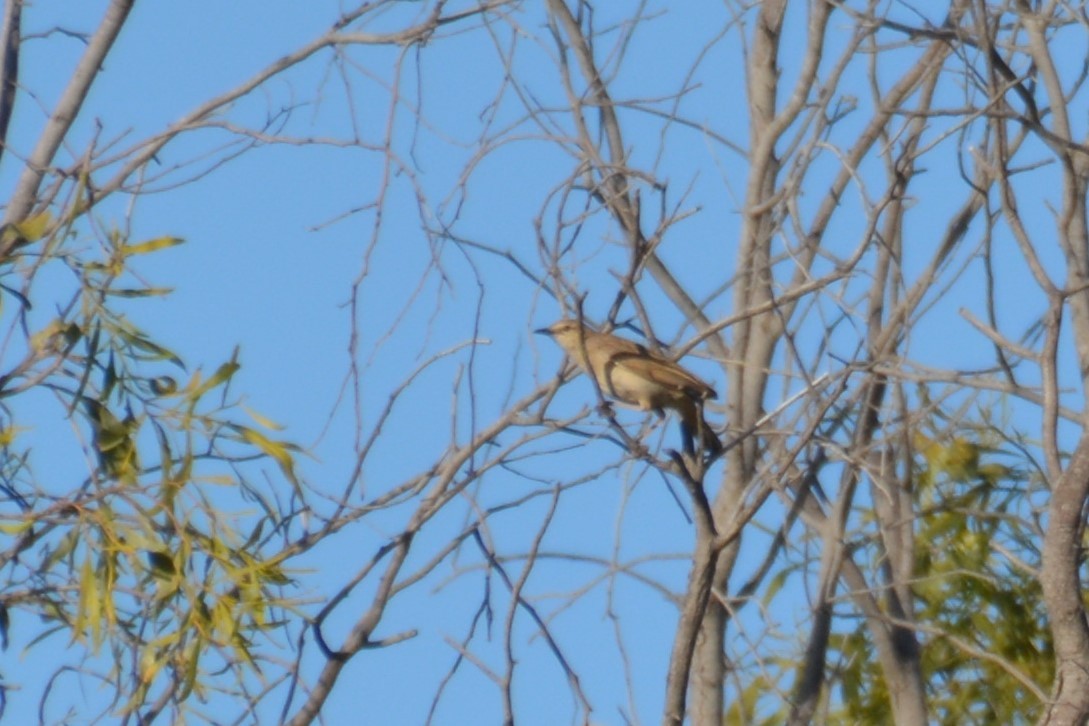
(570, 335)
(560, 327)
(566, 332)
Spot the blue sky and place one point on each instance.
(272, 251)
(254, 273)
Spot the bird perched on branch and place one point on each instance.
(636, 377)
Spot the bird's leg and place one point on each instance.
(605, 410)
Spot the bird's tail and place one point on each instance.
(693, 426)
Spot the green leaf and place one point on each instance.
(776, 584)
(221, 376)
(113, 440)
(151, 349)
(189, 668)
(139, 292)
(34, 228)
(8, 434)
(158, 243)
(16, 528)
(90, 604)
(254, 537)
(263, 420)
(162, 565)
(63, 549)
(151, 660)
(277, 450)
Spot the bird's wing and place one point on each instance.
(663, 372)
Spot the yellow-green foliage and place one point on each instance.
(154, 557)
(986, 648)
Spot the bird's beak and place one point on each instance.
(543, 331)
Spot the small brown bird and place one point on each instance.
(639, 378)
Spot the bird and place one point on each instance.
(636, 377)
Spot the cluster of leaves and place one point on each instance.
(161, 553)
(987, 651)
